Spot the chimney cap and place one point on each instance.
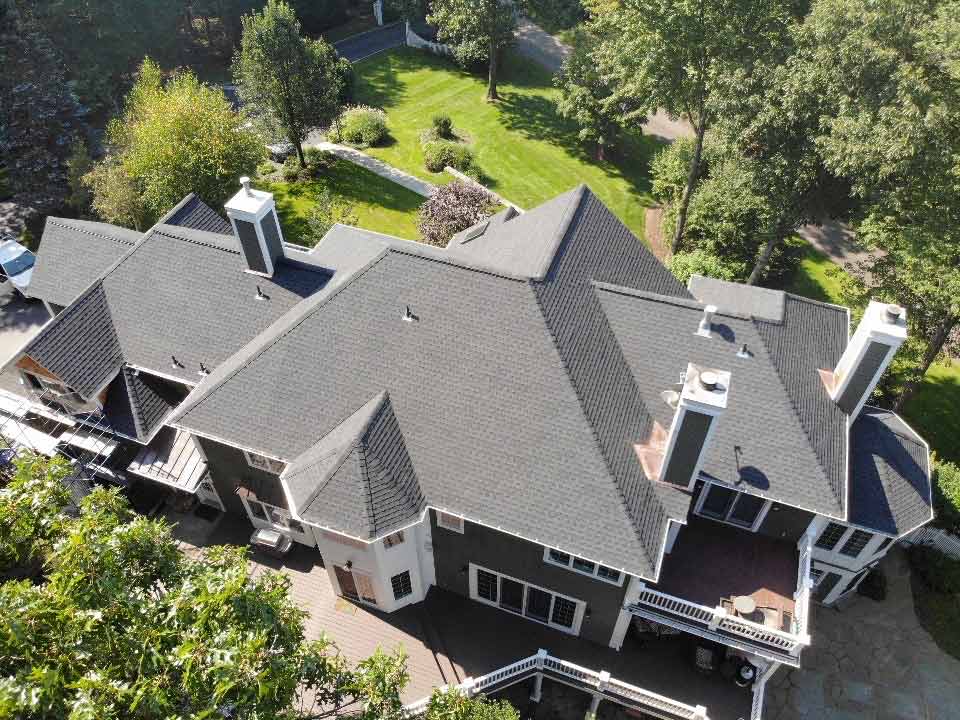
(892, 313)
(707, 387)
(245, 184)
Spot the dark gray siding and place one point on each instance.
(523, 560)
(250, 245)
(862, 375)
(826, 585)
(271, 233)
(691, 436)
(785, 522)
(228, 468)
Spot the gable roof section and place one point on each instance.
(80, 345)
(178, 293)
(890, 489)
(73, 254)
(358, 478)
(137, 403)
(193, 213)
(760, 442)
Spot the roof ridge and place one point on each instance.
(65, 223)
(578, 196)
(195, 241)
(795, 410)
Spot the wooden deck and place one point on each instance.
(712, 563)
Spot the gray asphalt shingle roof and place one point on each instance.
(74, 253)
(890, 488)
(358, 478)
(137, 403)
(193, 213)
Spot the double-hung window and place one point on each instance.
(830, 536)
(728, 505)
(262, 462)
(582, 565)
(395, 539)
(856, 543)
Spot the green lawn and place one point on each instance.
(527, 153)
(817, 278)
(379, 204)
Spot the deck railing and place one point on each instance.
(759, 689)
(599, 683)
(717, 624)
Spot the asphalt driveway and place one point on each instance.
(358, 47)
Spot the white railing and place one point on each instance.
(801, 599)
(941, 540)
(716, 623)
(759, 688)
(599, 683)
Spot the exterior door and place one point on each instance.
(348, 588)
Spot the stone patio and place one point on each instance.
(869, 661)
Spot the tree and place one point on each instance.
(583, 95)
(79, 164)
(172, 139)
(328, 210)
(883, 79)
(453, 208)
(676, 55)
(478, 30)
(125, 625)
(39, 114)
(291, 84)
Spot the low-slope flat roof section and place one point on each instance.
(74, 253)
(492, 426)
(759, 442)
(890, 488)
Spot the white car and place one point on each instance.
(16, 263)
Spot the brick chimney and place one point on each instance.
(253, 215)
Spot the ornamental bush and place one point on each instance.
(442, 126)
(437, 154)
(362, 125)
(451, 209)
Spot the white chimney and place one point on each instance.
(878, 336)
(253, 216)
(702, 401)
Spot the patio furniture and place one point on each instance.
(744, 605)
(271, 542)
(746, 674)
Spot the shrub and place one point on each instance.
(938, 572)
(699, 262)
(442, 126)
(291, 168)
(451, 209)
(266, 169)
(437, 154)
(946, 494)
(318, 161)
(328, 210)
(362, 125)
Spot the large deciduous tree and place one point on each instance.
(676, 55)
(291, 83)
(478, 30)
(883, 77)
(172, 139)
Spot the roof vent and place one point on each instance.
(261, 295)
(744, 352)
(245, 183)
(203, 370)
(892, 313)
(706, 322)
(174, 363)
(408, 315)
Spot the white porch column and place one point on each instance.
(634, 587)
(538, 678)
(597, 697)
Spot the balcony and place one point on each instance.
(710, 566)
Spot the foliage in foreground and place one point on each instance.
(453, 208)
(451, 705)
(329, 210)
(173, 139)
(946, 494)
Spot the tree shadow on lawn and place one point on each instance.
(378, 78)
(932, 411)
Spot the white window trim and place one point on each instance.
(867, 553)
(267, 507)
(761, 516)
(394, 539)
(262, 462)
(409, 582)
(455, 528)
(367, 576)
(596, 567)
(577, 614)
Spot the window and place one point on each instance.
(856, 543)
(816, 576)
(401, 585)
(521, 598)
(582, 565)
(390, 540)
(344, 540)
(854, 581)
(450, 522)
(267, 513)
(264, 463)
(884, 544)
(830, 536)
(487, 585)
(722, 503)
(256, 509)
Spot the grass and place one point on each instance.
(817, 278)
(933, 581)
(379, 204)
(527, 153)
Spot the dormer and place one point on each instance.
(879, 335)
(253, 215)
